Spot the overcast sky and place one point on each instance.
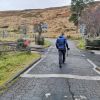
(31, 4)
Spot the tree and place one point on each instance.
(77, 6)
(91, 18)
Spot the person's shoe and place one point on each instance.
(60, 66)
(63, 62)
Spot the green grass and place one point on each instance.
(12, 63)
(80, 43)
(47, 43)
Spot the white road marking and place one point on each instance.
(47, 95)
(65, 96)
(80, 97)
(83, 97)
(68, 76)
(94, 66)
(83, 55)
(77, 99)
(43, 57)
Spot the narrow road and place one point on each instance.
(46, 81)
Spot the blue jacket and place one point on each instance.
(61, 43)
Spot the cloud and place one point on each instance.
(29, 4)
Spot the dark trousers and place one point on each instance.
(62, 54)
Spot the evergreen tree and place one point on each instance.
(77, 6)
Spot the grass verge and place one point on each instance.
(47, 44)
(81, 44)
(13, 63)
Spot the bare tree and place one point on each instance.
(91, 18)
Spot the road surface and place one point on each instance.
(77, 80)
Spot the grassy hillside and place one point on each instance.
(57, 19)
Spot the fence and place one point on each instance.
(15, 37)
(7, 47)
(11, 46)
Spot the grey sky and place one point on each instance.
(31, 4)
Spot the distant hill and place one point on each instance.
(56, 17)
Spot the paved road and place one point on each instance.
(45, 81)
(93, 57)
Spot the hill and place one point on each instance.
(57, 19)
